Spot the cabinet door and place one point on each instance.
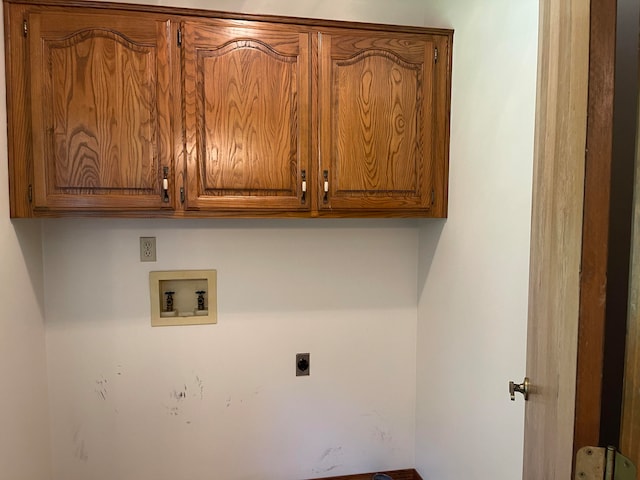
(100, 105)
(376, 122)
(246, 94)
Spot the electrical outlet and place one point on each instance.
(302, 364)
(147, 249)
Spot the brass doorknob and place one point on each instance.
(522, 388)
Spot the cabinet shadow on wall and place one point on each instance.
(29, 237)
(264, 266)
(428, 240)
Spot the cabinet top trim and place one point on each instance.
(315, 24)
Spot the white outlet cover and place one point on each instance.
(147, 249)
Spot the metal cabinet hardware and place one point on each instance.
(165, 184)
(325, 174)
(304, 185)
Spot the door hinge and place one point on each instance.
(30, 193)
(599, 463)
(25, 27)
(435, 55)
(179, 37)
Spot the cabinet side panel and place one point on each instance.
(441, 126)
(18, 104)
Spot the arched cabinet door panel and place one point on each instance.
(247, 116)
(380, 115)
(100, 110)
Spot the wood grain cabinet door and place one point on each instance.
(378, 141)
(246, 94)
(100, 105)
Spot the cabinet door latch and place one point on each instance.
(165, 185)
(303, 174)
(325, 175)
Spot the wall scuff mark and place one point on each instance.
(80, 450)
(101, 388)
(329, 460)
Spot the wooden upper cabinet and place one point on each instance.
(100, 110)
(247, 116)
(130, 110)
(383, 129)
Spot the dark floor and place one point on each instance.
(409, 474)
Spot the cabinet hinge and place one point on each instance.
(435, 55)
(25, 27)
(181, 194)
(433, 196)
(179, 37)
(30, 193)
(595, 463)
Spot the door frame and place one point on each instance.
(608, 213)
(595, 229)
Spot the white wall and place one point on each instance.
(473, 273)
(24, 422)
(344, 291)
